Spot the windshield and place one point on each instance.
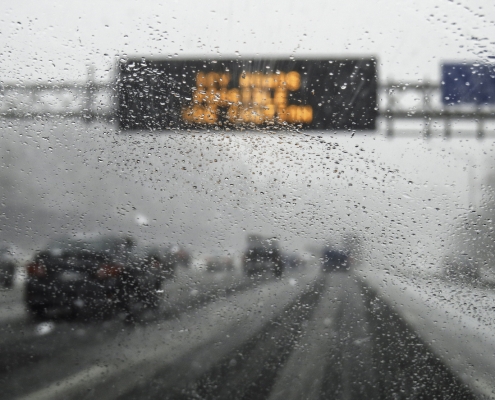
(287, 199)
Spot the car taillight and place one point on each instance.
(36, 270)
(108, 271)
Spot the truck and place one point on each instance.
(262, 255)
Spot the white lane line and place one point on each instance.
(303, 374)
(70, 385)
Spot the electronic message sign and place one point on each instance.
(468, 84)
(229, 94)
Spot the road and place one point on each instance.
(307, 335)
(453, 319)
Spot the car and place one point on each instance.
(90, 277)
(8, 267)
(334, 260)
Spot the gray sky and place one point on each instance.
(67, 171)
(56, 40)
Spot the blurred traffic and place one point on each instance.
(92, 276)
(211, 200)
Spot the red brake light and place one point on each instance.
(36, 270)
(108, 271)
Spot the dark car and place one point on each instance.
(7, 267)
(90, 277)
(335, 261)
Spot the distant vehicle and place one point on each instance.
(262, 255)
(90, 277)
(292, 261)
(180, 256)
(8, 266)
(461, 268)
(335, 261)
(163, 263)
(219, 264)
(352, 247)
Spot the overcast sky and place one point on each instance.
(57, 40)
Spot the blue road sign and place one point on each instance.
(468, 84)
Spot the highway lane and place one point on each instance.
(308, 335)
(35, 355)
(24, 342)
(319, 347)
(454, 324)
(304, 373)
(245, 361)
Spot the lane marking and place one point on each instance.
(303, 372)
(69, 385)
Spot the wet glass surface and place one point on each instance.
(232, 200)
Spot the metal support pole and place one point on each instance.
(448, 125)
(480, 134)
(390, 127)
(388, 115)
(90, 89)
